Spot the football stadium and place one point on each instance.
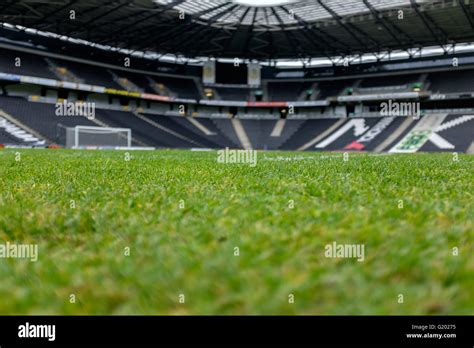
(236, 157)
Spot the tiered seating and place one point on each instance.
(180, 132)
(287, 91)
(212, 111)
(65, 75)
(333, 88)
(452, 81)
(128, 85)
(8, 139)
(237, 94)
(258, 132)
(225, 127)
(41, 117)
(257, 113)
(31, 65)
(458, 130)
(138, 80)
(348, 137)
(183, 88)
(218, 139)
(91, 74)
(61, 72)
(372, 145)
(288, 131)
(393, 84)
(158, 88)
(172, 123)
(143, 131)
(306, 131)
(455, 81)
(395, 80)
(12, 134)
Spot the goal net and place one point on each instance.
(86, 136)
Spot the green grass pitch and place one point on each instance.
(181, 215)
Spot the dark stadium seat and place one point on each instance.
(238, 94)
(379, 139)
(31, 65)
(454, 81)
(288, 131)
(457, 130)
(143, 131)
(8, 139)
(217, 139)
(225, 127)
(305, 131)
(333, 88)
(394, 80)
(286, 90)
(258, 132)
(140, 80)
(172, 123)
(181, 87)
(91, 74)
(41, 117)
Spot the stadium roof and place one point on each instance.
(252, 29)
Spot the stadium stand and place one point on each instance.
(333, 108)
(258, 132)
(333, 88)
(225, 127)
(456, 133)
(233, 93)
(144, 83)
(288, 90)
(28, 64)
(395, 80)
(172, 124)
(90, 74)
(181, 87)
(452, 81)
(12, 134)
(144, 133)
(303, 132)
(204, 128)
(7, 138)
(41, 117)
(377, 139)
(453, 133)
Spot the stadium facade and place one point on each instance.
(365, 75)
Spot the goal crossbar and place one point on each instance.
(101, 130)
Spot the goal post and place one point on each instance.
(87, 136)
